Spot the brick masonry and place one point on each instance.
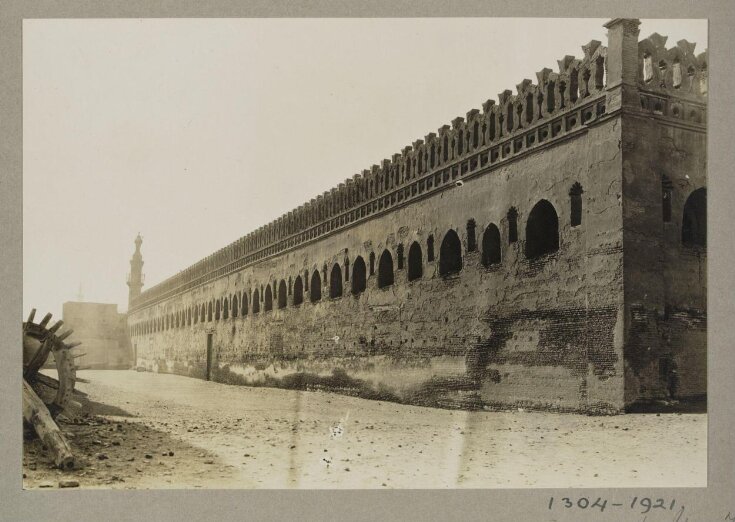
(611, 313)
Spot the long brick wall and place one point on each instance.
(564, 287)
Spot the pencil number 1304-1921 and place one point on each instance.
(645, 504)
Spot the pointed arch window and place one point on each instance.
(694, 219)
(359, 279)
(575, 202)
(385, 269)
(450, 254)
(542, 230)
(298, 291)
(512, 225)
(282, 294)
(268, 298)
(256, 301)
(667, 189)
(491, 245)
(471, 238)
(415, 263)
(316, 287)
(335, 282)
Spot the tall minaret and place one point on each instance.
(135, 277)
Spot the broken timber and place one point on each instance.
(37, 415)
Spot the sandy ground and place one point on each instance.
(225, 436)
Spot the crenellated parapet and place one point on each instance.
(560, 104)
(672, 81)
(676, 70)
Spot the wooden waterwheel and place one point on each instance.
(40, 344)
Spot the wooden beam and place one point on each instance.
(37, 415)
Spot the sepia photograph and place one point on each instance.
(365, 253)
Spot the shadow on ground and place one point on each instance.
(696, 405)
(119, 454)
(97, 408)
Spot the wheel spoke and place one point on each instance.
(39, 342)
(47, 381)
(38, 360)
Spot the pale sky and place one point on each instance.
(196, 132)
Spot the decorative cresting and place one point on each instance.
(672, 82)
(559, 103)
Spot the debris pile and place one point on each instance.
(45, 397)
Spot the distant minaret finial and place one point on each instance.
(135, 278)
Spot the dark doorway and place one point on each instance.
(209, 357)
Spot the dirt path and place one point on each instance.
(240, 437)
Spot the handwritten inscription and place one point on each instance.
(641, 504)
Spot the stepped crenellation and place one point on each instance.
(558, 103)
(674, 70)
